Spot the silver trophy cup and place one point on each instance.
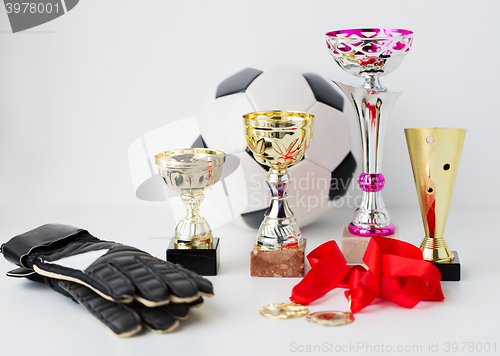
(370, 53)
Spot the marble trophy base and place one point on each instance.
(280, 263)
(450, 271)
(205, 262)
(354, 246)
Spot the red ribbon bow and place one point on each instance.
(397, 272)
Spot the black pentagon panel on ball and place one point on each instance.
(199, 143)
(254, 219)
(341, 177)
(324, 92)
(237, 83)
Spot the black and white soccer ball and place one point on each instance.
(325, 172)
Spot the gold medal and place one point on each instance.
(284, 310)
(330, 318)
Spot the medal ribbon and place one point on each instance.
(396, 272)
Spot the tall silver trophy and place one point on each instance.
(369, 53)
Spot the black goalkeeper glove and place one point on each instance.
(116, 272)
(123, 319)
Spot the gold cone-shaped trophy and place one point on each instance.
(435, 155)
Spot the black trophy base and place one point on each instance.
(450, 271)
(202, 261)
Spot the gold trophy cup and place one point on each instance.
(191, 171)
(278, 139)
(435, 155)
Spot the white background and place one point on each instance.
(77, 91)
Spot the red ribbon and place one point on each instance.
(397, 272)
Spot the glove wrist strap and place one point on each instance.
(17, 248)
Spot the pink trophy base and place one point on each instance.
(372, 231)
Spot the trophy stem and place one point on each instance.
(372, 110)
(193, 231)
(372, 82)
(279, 229)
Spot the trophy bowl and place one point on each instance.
(190, 171)
(369, 53)
(278, 139)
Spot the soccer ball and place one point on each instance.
(325, 172)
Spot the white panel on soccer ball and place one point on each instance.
(253, 184)
(313, 215)
(221, 123)
(276, 90)
(331, 141)
(309, 189)
(281, 67)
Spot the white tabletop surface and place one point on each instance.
(36, 321)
